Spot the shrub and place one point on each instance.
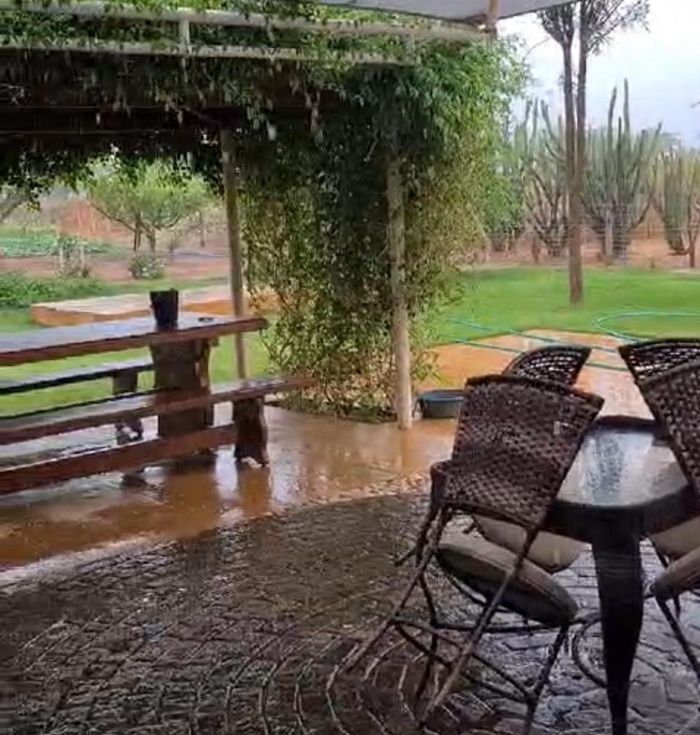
(72, 257)
(21, 290)
(146, 267)
(37, 243)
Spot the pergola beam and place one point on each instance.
(253, 21)
(140, 48)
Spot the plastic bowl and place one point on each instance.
(441, 404)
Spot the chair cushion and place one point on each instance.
(681, 576)
(482, 566)
(678, 541)
(551, 552)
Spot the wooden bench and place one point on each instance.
(124, 376)
(247, 430)
(182, 399)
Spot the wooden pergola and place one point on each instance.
(40, 113)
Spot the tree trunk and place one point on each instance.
(138, 232)
(202, 238)
(576, 201)
(692, 252)
(397, 248)
(573, 242)
(151, 237)
(235, 241)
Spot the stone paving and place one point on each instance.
(244, 630)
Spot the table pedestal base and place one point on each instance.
(621, 590)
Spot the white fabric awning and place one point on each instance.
(452, 10)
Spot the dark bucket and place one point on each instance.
(165, 306)
(440, 404)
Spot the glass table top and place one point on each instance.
(622, 465)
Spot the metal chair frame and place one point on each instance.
(669, 395)
(469, 484)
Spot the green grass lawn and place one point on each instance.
(527, 298)
(500, 300)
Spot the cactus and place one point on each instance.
(619, 175)
(677, 200)
(541, 150)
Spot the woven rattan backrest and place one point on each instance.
(649, 359)
(674, 400)
(518, 439)
(560, 364)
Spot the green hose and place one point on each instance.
(598, 323)
(602, 320)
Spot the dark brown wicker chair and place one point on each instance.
(560, 364)
(674, 400)
(648, 360)
(518, 439)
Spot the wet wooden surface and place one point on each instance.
(60, 342)
(313, 459)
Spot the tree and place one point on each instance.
(591, 23)
(147, 198)
(10, 198)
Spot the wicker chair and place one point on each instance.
(518, 439)
(648, 360)
(560, 364)
(674, 400)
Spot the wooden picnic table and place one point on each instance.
(54, 343)
(182, 397)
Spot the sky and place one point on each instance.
(661, 64)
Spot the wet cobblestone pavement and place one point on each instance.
(244, 630)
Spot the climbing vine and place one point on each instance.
(315, 136)
(316, 220)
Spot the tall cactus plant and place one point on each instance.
(619, 175)
(544, 192)
(677, 200)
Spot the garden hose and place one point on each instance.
(600, 324)
(603, 320)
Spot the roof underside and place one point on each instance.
(452, 10)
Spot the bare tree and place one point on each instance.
(590, 23)
(560, 24)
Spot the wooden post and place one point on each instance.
(235, 243)
(397, 248)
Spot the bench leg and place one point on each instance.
(251, 431)
(127, 383)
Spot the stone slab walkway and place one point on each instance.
(243, 630)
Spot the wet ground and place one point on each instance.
(213, 600)
(313, 460)
(247, 630)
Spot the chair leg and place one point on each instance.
(665, 561)
(366, 647)
(680, 637)
(432, 656)
(468, 649)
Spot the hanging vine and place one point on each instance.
(315, 136)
